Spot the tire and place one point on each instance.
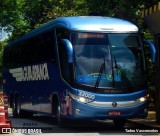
(16, 107)
(60, 120)
(119, 123)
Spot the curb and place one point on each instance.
(149, 122)
(145, 125)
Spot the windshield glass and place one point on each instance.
(116, 60)
(91, 51)
(127, 57)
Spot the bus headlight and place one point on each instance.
(142, 99)
(81, 99)
(84, 100)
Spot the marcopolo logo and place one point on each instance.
(30, 73)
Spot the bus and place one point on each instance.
(78, 67)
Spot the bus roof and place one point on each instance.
(95, 23)
(85, 23)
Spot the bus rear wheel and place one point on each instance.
(16, 107)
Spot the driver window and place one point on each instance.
(64, 65)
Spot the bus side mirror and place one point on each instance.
(153, 50)
(69, 49)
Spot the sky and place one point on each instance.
(3, 34)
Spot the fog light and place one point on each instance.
(145, 110)
(77, 111)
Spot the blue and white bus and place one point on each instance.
(78, 68)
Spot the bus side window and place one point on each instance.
(64, 65)
(62, 33)
(49, 47)
(34, 50)
(16, 56)
(43, 47)
(6, 57)
(40, 47)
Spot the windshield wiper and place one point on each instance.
(124, 76)
(102, 68)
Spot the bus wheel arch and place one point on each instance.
(55, 103)
(56, 110)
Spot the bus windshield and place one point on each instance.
(111, 60)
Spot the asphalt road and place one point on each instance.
(45, 126)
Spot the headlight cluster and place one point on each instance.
(84, 100)
(143, 99)
(87, 100)
(81, 99)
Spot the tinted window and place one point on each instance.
(34, 50)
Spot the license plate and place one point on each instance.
(114, 113)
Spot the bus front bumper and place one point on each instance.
(91, 111)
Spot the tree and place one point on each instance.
(7, 14)
(29, 14)
(2, 45)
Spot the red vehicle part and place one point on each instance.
(4, 122)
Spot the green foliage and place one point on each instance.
(25, 15)
(150, 67)
(2, 45)
(7, 16)
(5, 11)
(21, 16)
(66, 8)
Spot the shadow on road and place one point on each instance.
(49, 124)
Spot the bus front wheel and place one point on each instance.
(60, 120)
